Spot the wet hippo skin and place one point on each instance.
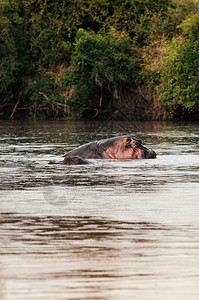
(72, 160)
(76, 160)
(120, 147)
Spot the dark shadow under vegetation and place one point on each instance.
(124, 60)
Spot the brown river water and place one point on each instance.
(116, 229)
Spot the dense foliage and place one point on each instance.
(181, 75)
(101, 64)
(59, 58)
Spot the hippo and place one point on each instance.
(72, 160)
(119, 147)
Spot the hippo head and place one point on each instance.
(128, 147)
(71, 160)
(75, 160)
(138, 149)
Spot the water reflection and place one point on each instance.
(47, 230)
(87, 257)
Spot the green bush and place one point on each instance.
(102, 64)
(14, 54)
(190, 27)
(45, 98)
(181, 75)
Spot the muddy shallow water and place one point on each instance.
(117, 229)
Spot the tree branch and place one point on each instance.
(14, 109)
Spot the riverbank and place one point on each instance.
(90, 60)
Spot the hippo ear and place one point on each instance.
(139, 140)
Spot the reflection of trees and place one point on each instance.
(46, 230)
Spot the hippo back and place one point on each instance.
(93, 149)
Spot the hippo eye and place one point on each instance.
(133, 143)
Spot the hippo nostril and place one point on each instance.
(152, 154)
(149, 154)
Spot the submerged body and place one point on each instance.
(72, 160)
(120, 147)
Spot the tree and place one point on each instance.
(102, 64)
(181, 75)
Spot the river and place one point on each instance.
(116, 229)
